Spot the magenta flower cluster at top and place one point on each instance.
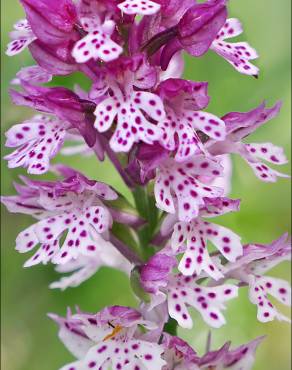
(172, 154)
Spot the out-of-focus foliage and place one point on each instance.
(29, 338)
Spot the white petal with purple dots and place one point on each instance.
(21, 37)
(237, 54)
(178, 183)
(38, 140)
(183, 292)
(141, 7)
(97, 44)
(260, 287)
(130, 114)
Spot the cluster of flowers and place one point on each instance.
(172, 154)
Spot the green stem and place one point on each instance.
(145, 205)
(171, 327)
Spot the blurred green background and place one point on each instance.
(29, 338)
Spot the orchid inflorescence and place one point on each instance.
(172, 154)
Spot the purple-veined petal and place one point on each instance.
(32, 74)
(241, 124)
(219, 206)
(73, 337)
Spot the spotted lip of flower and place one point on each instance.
(192, 237)
(22, 36)
(177, 187)
(108, 338)
(140, 7)
(59, 101)
(179, 127)
(237, 54)
(134, 112)
(240, 125)
(73, 204)
(182, 292)
(97, 44)
(256, 260)
(38, 140)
